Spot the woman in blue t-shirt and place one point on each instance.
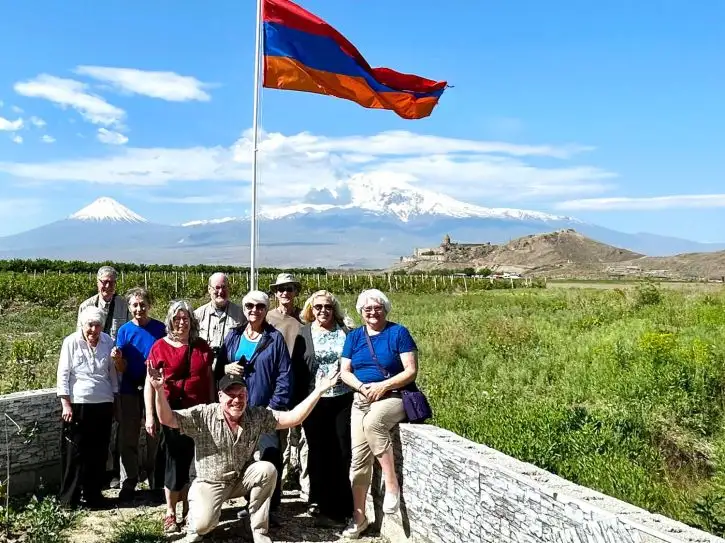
(378, 359)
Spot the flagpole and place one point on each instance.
(255, 150)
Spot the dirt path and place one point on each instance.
(296, 525)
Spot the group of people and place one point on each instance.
(232, 396)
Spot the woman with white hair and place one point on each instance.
(257, 351)
(316, 355)
(378, 360)
(87, 384)
(185, 361)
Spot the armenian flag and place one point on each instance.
(304, 53)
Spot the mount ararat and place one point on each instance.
(362, 223)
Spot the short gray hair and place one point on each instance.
(174, 308)
(217, 274)
(138, 292)
(256, 297)
(106, 270)
(92, 314)
(376, 296)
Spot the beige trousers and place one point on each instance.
(370, 426)
(206, 499)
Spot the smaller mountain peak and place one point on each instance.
(106, 209)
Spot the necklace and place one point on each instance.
(249, 333)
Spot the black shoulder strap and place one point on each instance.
(109, 316)
(187, 373)
(386, 373)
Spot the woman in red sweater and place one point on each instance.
(186, 362)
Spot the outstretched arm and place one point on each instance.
(289, 419)
(163, 409)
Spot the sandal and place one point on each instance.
(170, 526)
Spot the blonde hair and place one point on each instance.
(341, 318)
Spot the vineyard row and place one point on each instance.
(60, 289)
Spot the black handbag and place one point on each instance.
(417, 408)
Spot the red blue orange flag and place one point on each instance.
(303, 53)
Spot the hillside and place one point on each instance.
(564, 254)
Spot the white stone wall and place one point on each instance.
(35, 454)
(454, 490)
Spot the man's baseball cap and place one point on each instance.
(230, 380)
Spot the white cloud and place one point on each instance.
(474, 171)
(681, 201)
(37, 122)
(17, 139)
(71, 93)
(110, 137)
(18, 110)
(10, 126)
(164, 85)
(47, 139)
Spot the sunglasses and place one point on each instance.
(259, 307)
(286, 288)
(320, 307)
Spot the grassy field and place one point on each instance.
(617, 389)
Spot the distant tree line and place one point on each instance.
(42, 265)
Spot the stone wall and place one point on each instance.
(35, 449)
(454, 490)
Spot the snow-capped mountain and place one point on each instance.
(393, 197)
(107, 209)
(360, 223)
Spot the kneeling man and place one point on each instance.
(225, 438)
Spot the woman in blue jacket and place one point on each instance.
(257, 351)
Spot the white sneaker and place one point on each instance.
(354, 531)
(193, 537)
(390, 503)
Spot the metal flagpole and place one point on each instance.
(255, 150)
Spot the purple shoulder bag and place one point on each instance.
(417, 408)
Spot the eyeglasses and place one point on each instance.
(181, 318)
(258, 307)
(285, 288)
(320, 307)
(107, 282)
(373, 309)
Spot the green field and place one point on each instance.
(617, 389)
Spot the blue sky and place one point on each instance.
(611, 112)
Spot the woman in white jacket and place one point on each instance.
(87, 384)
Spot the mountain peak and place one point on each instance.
(106, 209)
(392, 194)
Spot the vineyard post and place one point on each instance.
(435, 283)
(176, 284)
(370, 276)
(512, 282)
(396, 282)
(318, 281)
(465, 284)
(121, 276)
(146, 280)
(390, 286)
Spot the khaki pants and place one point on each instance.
(370, 426)
(206, 499)
(131, 432)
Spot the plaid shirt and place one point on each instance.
(221, 456)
